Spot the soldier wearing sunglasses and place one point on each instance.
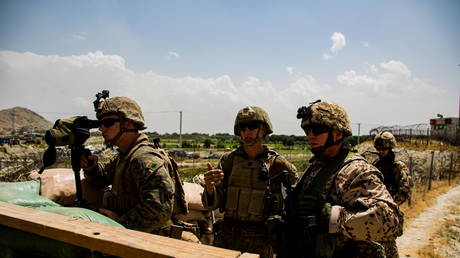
(142, 179)
(247, 185)
(395, 177)
(340, 207)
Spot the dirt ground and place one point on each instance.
(420, 231)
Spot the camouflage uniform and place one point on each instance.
(353, 209)
(395, 177)
(249, 233)
(142, 191)
(248, 199)
(395, 173)
(142, 186)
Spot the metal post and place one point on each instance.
(410, 135)
(180, 129)
(359, 131)
(451, 165)
(431, 170)
(428, 136)
(411, 180)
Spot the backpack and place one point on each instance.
(180, 204)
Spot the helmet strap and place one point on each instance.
(257, 139)
(123, 130)
(319, 151)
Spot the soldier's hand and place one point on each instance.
(88, 163)
(324, 217)
(212, 178)
(109, 213)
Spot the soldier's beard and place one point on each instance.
(252, 141)
(112, 142)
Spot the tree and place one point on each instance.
(207, 143)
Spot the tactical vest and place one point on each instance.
(325, 244)
(124, 195)
(386, 166)
(248, 198)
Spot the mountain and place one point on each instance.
(23, 120)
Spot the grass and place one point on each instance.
(422, 198)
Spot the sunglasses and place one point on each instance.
(250, 126)
(108, 122)
(316, 129)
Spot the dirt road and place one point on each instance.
(420, 230)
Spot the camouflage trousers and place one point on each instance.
(391, 250)
(243, 241)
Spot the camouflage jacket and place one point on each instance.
(142, 192)
(395, 177)
(362, 207)
(226, 164)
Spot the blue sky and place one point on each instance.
(386, 62)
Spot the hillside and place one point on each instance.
(22, 119)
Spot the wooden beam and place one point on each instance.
(103, 238)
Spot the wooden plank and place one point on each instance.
(103, 238)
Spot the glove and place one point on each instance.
(323, 218)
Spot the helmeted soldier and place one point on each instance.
(395, 177)
(144, 183)
(247, 186)
(340, 207)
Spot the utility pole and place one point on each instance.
(359, 131)
(180, 129)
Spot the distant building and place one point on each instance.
(445, 127)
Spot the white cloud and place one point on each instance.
(290, 70)
(63, 86)
(338, 43)
(173, 55)
(80, 35)
(365, 43)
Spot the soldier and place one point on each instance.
(247, 186)
(340, 206)
(144, 184)
(395, 178)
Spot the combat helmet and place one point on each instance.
(252, 113)
(125, 107)
(385, 140)
(325, 113)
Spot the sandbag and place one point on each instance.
(32, 186)
(83, 214)
(193, 193)
(58, 185)
(24, 198)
